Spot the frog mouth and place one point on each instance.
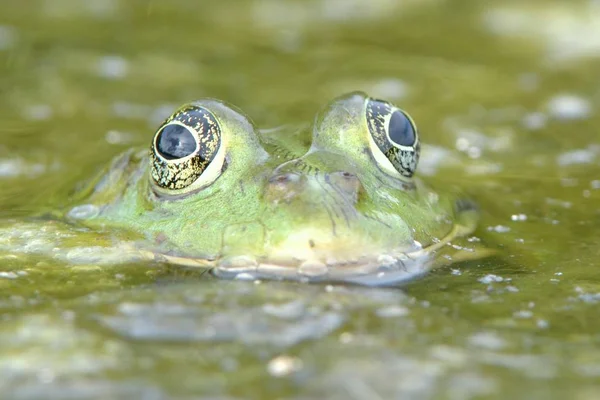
(380, 270)
(387, 269)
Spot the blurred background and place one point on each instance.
(506, 93)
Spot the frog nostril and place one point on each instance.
(284, 178)
(284, 186)
(346, 181)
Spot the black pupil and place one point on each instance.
(401, 130)
(175, 141)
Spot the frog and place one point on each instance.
(337, 199)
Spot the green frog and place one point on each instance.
(335, 200)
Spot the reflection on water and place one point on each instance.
(507, 99)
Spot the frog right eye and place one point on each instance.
(394, 138)
(187, 152)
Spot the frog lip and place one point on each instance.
(392, 267)
(375, 270)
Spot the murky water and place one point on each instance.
(508, 95)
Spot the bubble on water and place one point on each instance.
(518, 217)
(8, 275)
(559, 203)
(534, 121)
(473, 143)
(591, 298)
(284, 365)
(11, 168)
(569, 107)
(490, 278)
(436, 157)
(112, 67)
(462, 144)
(542, 324)
(580, 156)
(499, 229)
(523, 314)
(569, 182)
(474, 152)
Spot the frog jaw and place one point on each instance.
(393, 267)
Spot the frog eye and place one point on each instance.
(187, 152)
(393, 137)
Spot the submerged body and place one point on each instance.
(335, 200)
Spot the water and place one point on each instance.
(508, 96)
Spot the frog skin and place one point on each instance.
(335, 200)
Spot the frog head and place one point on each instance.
(333, 198)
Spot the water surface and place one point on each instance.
(508, 95)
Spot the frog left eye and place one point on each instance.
(187, 152)
(393, 137)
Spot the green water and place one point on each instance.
(507, 93)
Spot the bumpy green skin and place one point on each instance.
(285, 196)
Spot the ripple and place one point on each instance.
(249, 326)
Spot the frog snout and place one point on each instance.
(289, 186)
